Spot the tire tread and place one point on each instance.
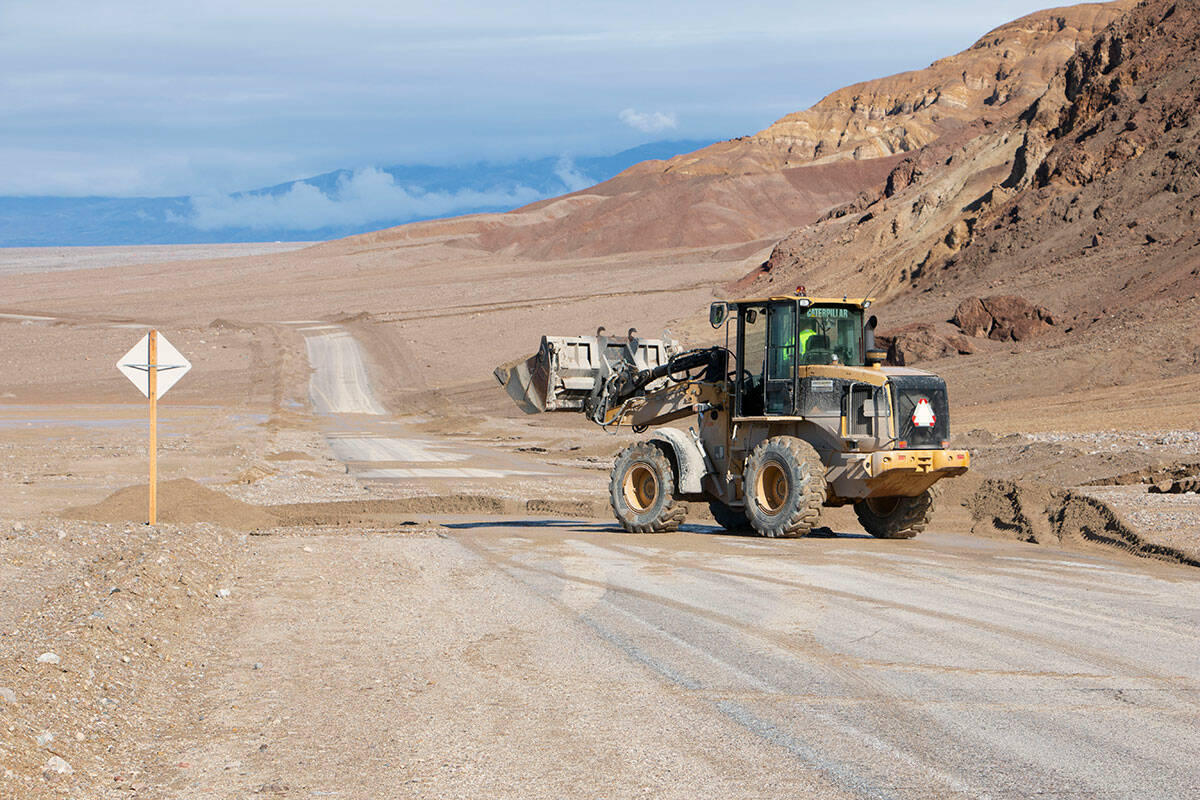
(672, 513)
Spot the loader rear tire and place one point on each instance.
(641, 491)
(784, 487)
(895, 517)
(730, 518)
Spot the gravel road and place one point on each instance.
(561, 659)
(339, 383)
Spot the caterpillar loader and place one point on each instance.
(794, 413)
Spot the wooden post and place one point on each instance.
(152, 361)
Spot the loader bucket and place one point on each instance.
(566, 370)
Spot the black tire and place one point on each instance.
(641, 491)
(784, 487)
(730, 518)
(895, 517)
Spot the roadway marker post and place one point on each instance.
(161, 369)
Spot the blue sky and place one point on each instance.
(170, 98)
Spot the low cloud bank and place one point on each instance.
(648, 121)
(571, 177)
(362, 197)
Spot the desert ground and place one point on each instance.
(374, 577)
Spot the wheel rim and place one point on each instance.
(883, 506)
(771, 488)
(641, 488)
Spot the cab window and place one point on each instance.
(830, 335)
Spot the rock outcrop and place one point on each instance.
(1002, 317)
(921, 341)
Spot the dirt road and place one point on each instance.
(534, 658)
(339, 383)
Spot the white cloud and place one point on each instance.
(571, 177)
(648, 121)
(365, 196)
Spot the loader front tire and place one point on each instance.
(784, 487)
(895, 517)
(641, 491)
(730, 518)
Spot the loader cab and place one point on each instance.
(779, 337)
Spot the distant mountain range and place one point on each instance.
(326, 206)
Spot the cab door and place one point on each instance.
(767, 359)
(780, 379)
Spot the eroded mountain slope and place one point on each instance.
(1086, 204)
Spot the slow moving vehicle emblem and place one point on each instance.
(923, 416)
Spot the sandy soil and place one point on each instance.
(435, 605)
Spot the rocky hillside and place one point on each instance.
(1086, 204)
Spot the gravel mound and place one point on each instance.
(180, 501)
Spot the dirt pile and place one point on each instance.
(401, 511)
(106, 653)
(180, 501)
(1012, 510)
(1041, 514)
(1086, 519)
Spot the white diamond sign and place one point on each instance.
(171, 365)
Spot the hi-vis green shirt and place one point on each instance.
(802, 338)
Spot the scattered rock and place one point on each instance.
(7, 695)
(49, 658)
(57, 765)
(223, 593)
(257, 665)
(44, 738)
(18, 527)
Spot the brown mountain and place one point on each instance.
(996, 78)
(754, 189)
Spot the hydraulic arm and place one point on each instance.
(626, 382)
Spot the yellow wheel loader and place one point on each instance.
(795, 412)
